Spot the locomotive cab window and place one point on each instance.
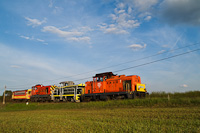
(106, 77)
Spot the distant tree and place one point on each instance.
(8, 95)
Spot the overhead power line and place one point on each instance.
(126, 63)
(157, 60)
(148, 62)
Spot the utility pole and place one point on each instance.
(4, 96)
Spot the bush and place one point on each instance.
(190, 94)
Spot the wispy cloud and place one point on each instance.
(147, 18)
(57, 10)
(15, 66)
(61, 33)
(125, 18)
(165, 46)
(34, 67)
(121, 21)
(50, 3)
(68, 35)
(137, 46)
(184, 86)
(35, 22)
(162, 51)
(33, 39)
(143, 5)
(27, 38)
(112, 29)
(40, 40)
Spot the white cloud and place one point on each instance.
(184, 86)
(137, 46)
(162, 51)
(144, 5)
(15, 66)
(120, 11)
(165, 46)
(147, 18)
(34, 39)
(122, 21)
(86, 29)
(35, 22)
(129, 10)
(126, 19)
(113, 16)
(40, 40)
(69, 35)
(79, 39)
(112, 29)
(129, 14)
(27, 38)
(61, 33)
(57, 10)
(50, 3)
(121, 5)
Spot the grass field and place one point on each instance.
(160, 112)
(140, 119)
(135, 115)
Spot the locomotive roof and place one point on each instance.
(67, 82)
(109, 74)
(20, 90)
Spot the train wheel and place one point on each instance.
(64, 99)
(108, 98)
(87, 99)
(57, 100)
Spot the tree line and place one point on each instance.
(8, 96)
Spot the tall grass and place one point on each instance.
(158, 99)
(128, 103)
(189, 94)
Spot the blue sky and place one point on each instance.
(49, 41)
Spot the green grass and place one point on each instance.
(128, 103)
(189, 94)
(145, 119)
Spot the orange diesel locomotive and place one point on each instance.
(109, 86)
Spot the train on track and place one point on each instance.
(104, 86)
